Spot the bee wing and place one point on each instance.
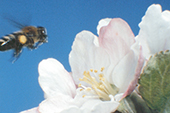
(18, 22)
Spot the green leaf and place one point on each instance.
(155, 82)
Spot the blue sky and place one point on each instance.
(63, 19)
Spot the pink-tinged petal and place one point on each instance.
(117, 38)
(113, 50)
(127, 71)
(86, 54)
(33, 110)
(103, 22)
(134, 82)
(154, 31)
(53, 78)
(55, 104)
(124, 71)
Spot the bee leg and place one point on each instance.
(35, 46)
(38, 44)
(17, 54)
(15, 57)
(31, 47)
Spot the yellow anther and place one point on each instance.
(81, 89)
(95, 71)
(100, 75)
(80, 79)
(102, 69)
(88, 89)
(84, 78)
(98, 84)
(84, 72)
(79, 85)
(101, 87)
(101, 78)
(93, 87)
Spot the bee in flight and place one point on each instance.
(29, 36)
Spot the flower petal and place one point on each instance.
(86, 54)
(87, 101)
(56, 104)
(53, 78)
(94, 106)
(117, 38)
(124, 72)
(33, 110)
(72, 109)
(112, 50)
(105, 107)
(134, 82)
(103, 22)
(154, 31)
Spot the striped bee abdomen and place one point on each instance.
(7, 42)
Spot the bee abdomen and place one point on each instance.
(8, 42)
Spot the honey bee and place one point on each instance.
(29, 36)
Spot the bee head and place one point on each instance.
(42, 34)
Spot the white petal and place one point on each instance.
(117, 39)
(102, 22)
(33, 110)
(72, 109)
(79, 99)
(94, 106)
(86, 54)
(138, 69)
(124, 71)
(98, 106)
(154, 30)
(118, 97)
(53, 78)
(55, 104)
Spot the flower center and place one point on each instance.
(99, 84)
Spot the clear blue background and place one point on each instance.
(63, 19)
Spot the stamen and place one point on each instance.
(95, 71)
(99, 84)
(81, 89)
(101, 75)
(101, 94)
(82, 86)
(102, 69)
(79, 85)
(88, 89)
(80, 79)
